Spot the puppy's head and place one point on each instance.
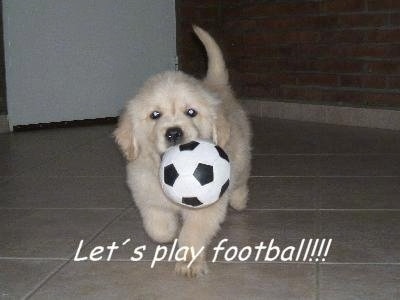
(172, 108)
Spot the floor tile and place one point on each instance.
(360, 165)
(365, 282)
(124, 280)
(22, 151)
(127, 226)
(250, 227)
(286, 136)
(326, 165)
(347, 139)
(19, 277)
(282, 193)
(48, 233)
(358, 193)
(285, 165)
(99, 158)
(273, 136)
(65, 192)
(362, 236)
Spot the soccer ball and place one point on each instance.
(195, 174)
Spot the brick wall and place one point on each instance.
(343, 52)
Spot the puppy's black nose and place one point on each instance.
(174, 135)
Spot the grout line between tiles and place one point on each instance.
(247, 209)
(317, 289)
(64, 208)
(58, 269)
(324, 176)
(329, 154)
(34, 258)
(326, 209)
(123, 260)
(70, 176)
(362, 263)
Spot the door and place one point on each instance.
(74, 60)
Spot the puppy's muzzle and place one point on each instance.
(174, 135)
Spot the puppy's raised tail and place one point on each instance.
(216, 70)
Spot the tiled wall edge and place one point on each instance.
(4, 124)
(351, 116)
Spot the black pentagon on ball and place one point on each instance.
(189, 146)
(222, 153)
(170, 174)
(192, 201)
(223, 188)
(204, 173)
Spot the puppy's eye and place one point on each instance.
(191, 112)
(155, 115)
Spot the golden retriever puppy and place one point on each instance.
(174, 108)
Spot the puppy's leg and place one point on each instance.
(199, 227)
(240, 173)
(160, 224)
(239, 196)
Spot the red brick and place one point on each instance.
(362, 20)
(191, 14)
(275, 79)
(344, 5)
(376, 5)
(394, 82)
(239, 26)
(342, 36)
(390, 68)
(363, 81)
(374, 82)
(298, 22)
(196, 3)
(273, 65)
(351, 81)
(393, 51)
(388, 36)
(339, 66)
(363, 97)
(343, 96)
(395, 19)
(271, 9)
(317, 79)
(365, 51)
(302, 93)
(382, 99)
(284, 22)
(312, 50)
(238, 51)
(260, 39)
(359, 50)
(259, 91)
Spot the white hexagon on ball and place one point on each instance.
(195, 174)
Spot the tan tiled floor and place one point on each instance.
(308, 181)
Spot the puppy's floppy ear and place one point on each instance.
(125, 137)
(221, 130)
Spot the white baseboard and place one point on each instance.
(339, 115)
(4, 124)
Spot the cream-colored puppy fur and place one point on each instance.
(143, 140)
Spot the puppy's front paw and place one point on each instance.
(239, 198)
(238, 204)
(198, 268)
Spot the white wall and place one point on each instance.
(79, 59)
